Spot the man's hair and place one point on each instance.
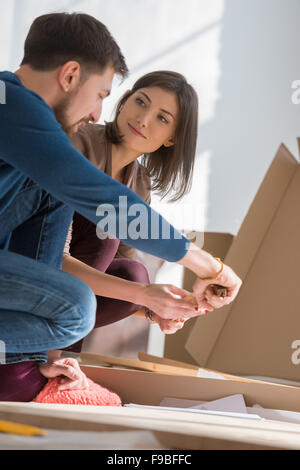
(57, 38)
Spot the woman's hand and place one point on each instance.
(205, 296)
(168, 302)
(204, 265)
(68, 368)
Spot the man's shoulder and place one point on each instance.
(16, 90)
(22, 104)
(9, 77)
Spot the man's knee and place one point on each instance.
(86, 305)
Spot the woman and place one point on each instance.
(157, 120)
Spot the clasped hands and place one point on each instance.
(172, 306)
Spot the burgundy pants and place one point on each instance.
(100, 254)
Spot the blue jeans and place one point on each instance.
(41, 307)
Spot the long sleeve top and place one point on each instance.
(33, 144)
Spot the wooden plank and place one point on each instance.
(173, 424)
(98, 359)
(165, 361)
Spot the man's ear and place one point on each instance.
(170, 142)
(69, 76)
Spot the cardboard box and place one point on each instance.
(259, 333)
(174, 429)
(183, 431)
(218, 245)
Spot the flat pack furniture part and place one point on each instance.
(200, 371)
(151, 366)
(175, 430)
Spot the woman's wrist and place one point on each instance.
(202, 263)
(137, 293)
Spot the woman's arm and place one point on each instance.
(103, 284)
(160, 298)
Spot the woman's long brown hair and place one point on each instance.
(170, 168)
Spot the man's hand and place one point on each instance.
(69, 370)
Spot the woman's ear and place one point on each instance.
(170, 142)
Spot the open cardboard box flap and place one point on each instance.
(257, 334)
(218, 245)
(148, 388)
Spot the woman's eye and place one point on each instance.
(139, 101)
(163, 119)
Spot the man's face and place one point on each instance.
(84, 104)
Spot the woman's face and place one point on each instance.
(148, 119)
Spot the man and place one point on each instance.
(67, 71)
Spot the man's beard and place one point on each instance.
(61, 113)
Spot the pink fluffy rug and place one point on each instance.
(94, 395)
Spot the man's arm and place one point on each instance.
(33, 142)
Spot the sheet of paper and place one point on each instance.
(197, 411)
(272, 380)
(180, 403)
(275, 415)
(206, 374)
(233, 403)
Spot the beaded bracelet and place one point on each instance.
(149, 315)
